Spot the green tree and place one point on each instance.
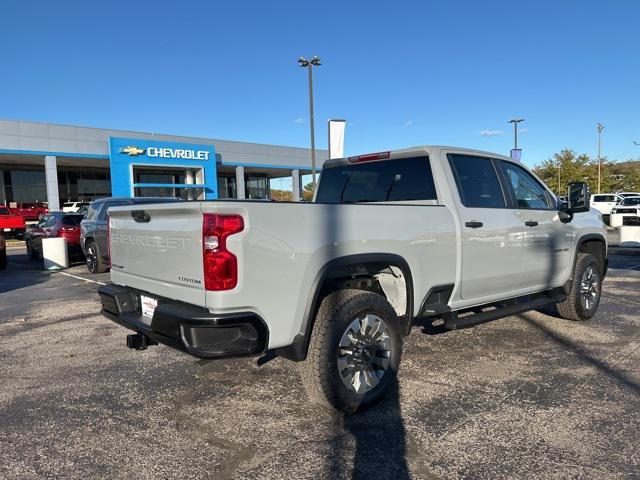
(307, 192)
(567, 166)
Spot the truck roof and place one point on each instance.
(412, 152)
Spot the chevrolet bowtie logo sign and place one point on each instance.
(132, 151)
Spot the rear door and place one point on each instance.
(491, 232)
(547, 241)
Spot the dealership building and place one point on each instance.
(43, 162)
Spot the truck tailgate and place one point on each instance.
(158, 248)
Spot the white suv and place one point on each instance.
(627, 212)
(604, 202)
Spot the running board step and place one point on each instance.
(453, 322)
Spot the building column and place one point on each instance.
(189, 180)
(240, 194)
(51, 175)
(295, 182)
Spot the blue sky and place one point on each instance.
(401, 73)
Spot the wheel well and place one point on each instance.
(386, 275)
(597, 248)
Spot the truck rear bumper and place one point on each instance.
(188, 328)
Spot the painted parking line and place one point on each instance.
(81, 278)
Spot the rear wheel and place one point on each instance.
(93, 258)
(354, 352)
(583, 299)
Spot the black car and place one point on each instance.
(94, 229)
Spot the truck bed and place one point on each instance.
(280, 251)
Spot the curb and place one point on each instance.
(624, 251)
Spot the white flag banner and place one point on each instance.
(336, 138)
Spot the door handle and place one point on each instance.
(473, 224)
(531, 223)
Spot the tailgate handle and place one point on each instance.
(140, 216)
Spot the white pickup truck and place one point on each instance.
(458, 234)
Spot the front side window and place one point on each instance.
(477, 181)
(396, 180)
(528, 192)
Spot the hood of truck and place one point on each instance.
(158, 248)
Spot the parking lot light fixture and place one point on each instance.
(309, 64)
(599, 127)
(515, 122)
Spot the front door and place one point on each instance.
(491, 234)
(546, 258)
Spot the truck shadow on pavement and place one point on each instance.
(380, 442)
(583, 355)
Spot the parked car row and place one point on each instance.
(606, 204)
(11, 224)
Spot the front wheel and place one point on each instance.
(354, 352)
(586, 289)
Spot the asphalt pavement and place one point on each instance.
(529, 396)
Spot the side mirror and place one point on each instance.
(578, 197)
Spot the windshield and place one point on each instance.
(631, 201)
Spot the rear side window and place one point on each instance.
(4, 211)
(477, 181)
(395, 180)
(604, 198)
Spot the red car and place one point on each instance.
(10, 223)
(57, 224)
(30, 211)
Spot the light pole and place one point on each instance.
(600, 127)
(309, 64)
(515, 122)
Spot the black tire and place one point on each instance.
(33, 255)
(582, 302)
(320, 372)
(93, 258)
(3, 259)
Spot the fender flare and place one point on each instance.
(297, 351)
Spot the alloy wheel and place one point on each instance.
(589, 288)
(92, 260)
(364, 353)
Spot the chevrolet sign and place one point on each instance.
(132, 151)
(156, 152)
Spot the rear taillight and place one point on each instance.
(220, 265)
(69, 229)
